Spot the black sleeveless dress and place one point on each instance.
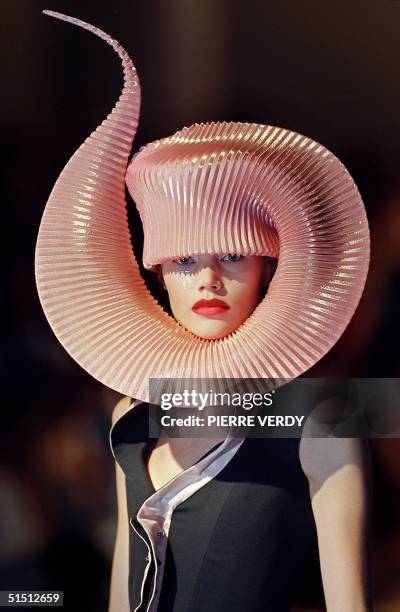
(245, 541)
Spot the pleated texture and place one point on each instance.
(210, 188)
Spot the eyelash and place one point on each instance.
(181, 261)
(239, 257)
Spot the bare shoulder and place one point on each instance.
(119, 595)
(322, 457)
(120, 408)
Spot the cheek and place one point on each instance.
(179, 287)
(247, 288)
(246, 300)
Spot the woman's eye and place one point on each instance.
(184, 261)
(230, 257)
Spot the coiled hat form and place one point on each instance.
(211, 188)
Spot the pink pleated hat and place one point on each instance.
(217, 188)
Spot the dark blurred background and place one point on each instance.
(329, 70)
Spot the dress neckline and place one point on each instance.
(145, 455)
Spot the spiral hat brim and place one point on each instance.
(89, 281)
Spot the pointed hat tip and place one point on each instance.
(54, 14)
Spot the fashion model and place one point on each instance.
(261, 241)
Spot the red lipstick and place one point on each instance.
(208, 308)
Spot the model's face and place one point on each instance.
(213, 295)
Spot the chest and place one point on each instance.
(171, 456)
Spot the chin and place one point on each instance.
(210, 331)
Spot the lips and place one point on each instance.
(209, 308)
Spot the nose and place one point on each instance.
(210, 279)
